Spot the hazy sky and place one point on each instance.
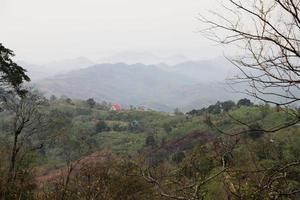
(44, 30)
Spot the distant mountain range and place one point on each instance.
(142, 57)
(40, 72)
(188, 85)
(205, 71)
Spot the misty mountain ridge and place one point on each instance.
(40, 72)
(47, 70)
(201, 70)
(143, 57)
(162, 87)
(205, 71)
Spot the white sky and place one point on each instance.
(44, 30)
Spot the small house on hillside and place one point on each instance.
(116, 107)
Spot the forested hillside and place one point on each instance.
(82, 149)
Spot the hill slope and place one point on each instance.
(160, 88)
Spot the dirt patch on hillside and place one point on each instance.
(97, 157)
(187, 141)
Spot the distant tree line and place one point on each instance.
(220, 107)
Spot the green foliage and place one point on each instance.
(150, 141)
(11, 73)
(167, 127)
(199, 163)
(227, 105)
(91, 102)
(101, 126)
(255, 131)
(244, 102)
(217, 108)
(179, 149)
(178, 157)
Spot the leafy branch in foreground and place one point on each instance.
(11, 74)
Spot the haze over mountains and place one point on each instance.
(142, 57)
(39, 72)
(159, 84)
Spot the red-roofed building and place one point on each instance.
(116, 107)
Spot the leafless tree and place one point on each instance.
(26, 122)
(268, 33)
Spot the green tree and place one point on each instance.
(150, 141)
(91, 102)
(215, 109)
(244, 102)
(11, 74)
(227, 105)
(101, 126)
